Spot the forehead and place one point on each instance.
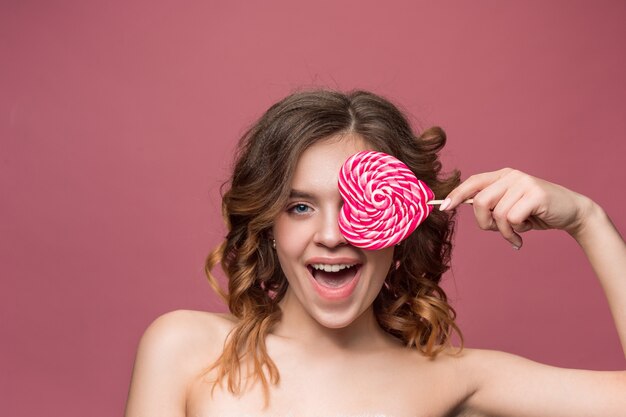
(319, 165)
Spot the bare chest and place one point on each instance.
(367, 388)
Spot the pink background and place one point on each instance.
(117, 123)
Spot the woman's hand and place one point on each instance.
(513, 202)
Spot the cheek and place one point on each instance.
(291, 235)
(382, 260)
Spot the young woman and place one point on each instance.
(318, 327)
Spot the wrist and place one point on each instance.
(590, 220)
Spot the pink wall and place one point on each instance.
(117, 123)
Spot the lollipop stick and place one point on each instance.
(436, 202)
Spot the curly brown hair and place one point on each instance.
(411, 306)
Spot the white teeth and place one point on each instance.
(331, 268)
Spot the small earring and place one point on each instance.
(274, 243)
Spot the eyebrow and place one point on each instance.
(301, 194)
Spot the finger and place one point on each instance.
(521, 214)
(491, 208)
(471, 186)
(482, 212)
(501, 216)
(525, 226)
(488, 198)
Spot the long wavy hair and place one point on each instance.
(411, 306)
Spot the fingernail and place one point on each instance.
(445, 204)
(515, 247)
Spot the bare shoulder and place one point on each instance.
(479, 365)
(171, 351)
(421, 378)
(468, 358)
(190, 324)
(465, 368)
(472, 366)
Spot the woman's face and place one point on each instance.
(333, 281)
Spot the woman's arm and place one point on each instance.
(512, 202)
(606, 252)
(507, 385)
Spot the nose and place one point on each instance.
(328, 233)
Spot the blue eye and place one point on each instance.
(299, 208)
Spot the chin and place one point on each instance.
(337, 317)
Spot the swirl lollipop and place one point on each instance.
(383, 200)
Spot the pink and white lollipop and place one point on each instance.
(383, 200)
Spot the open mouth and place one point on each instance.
(333, 276)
